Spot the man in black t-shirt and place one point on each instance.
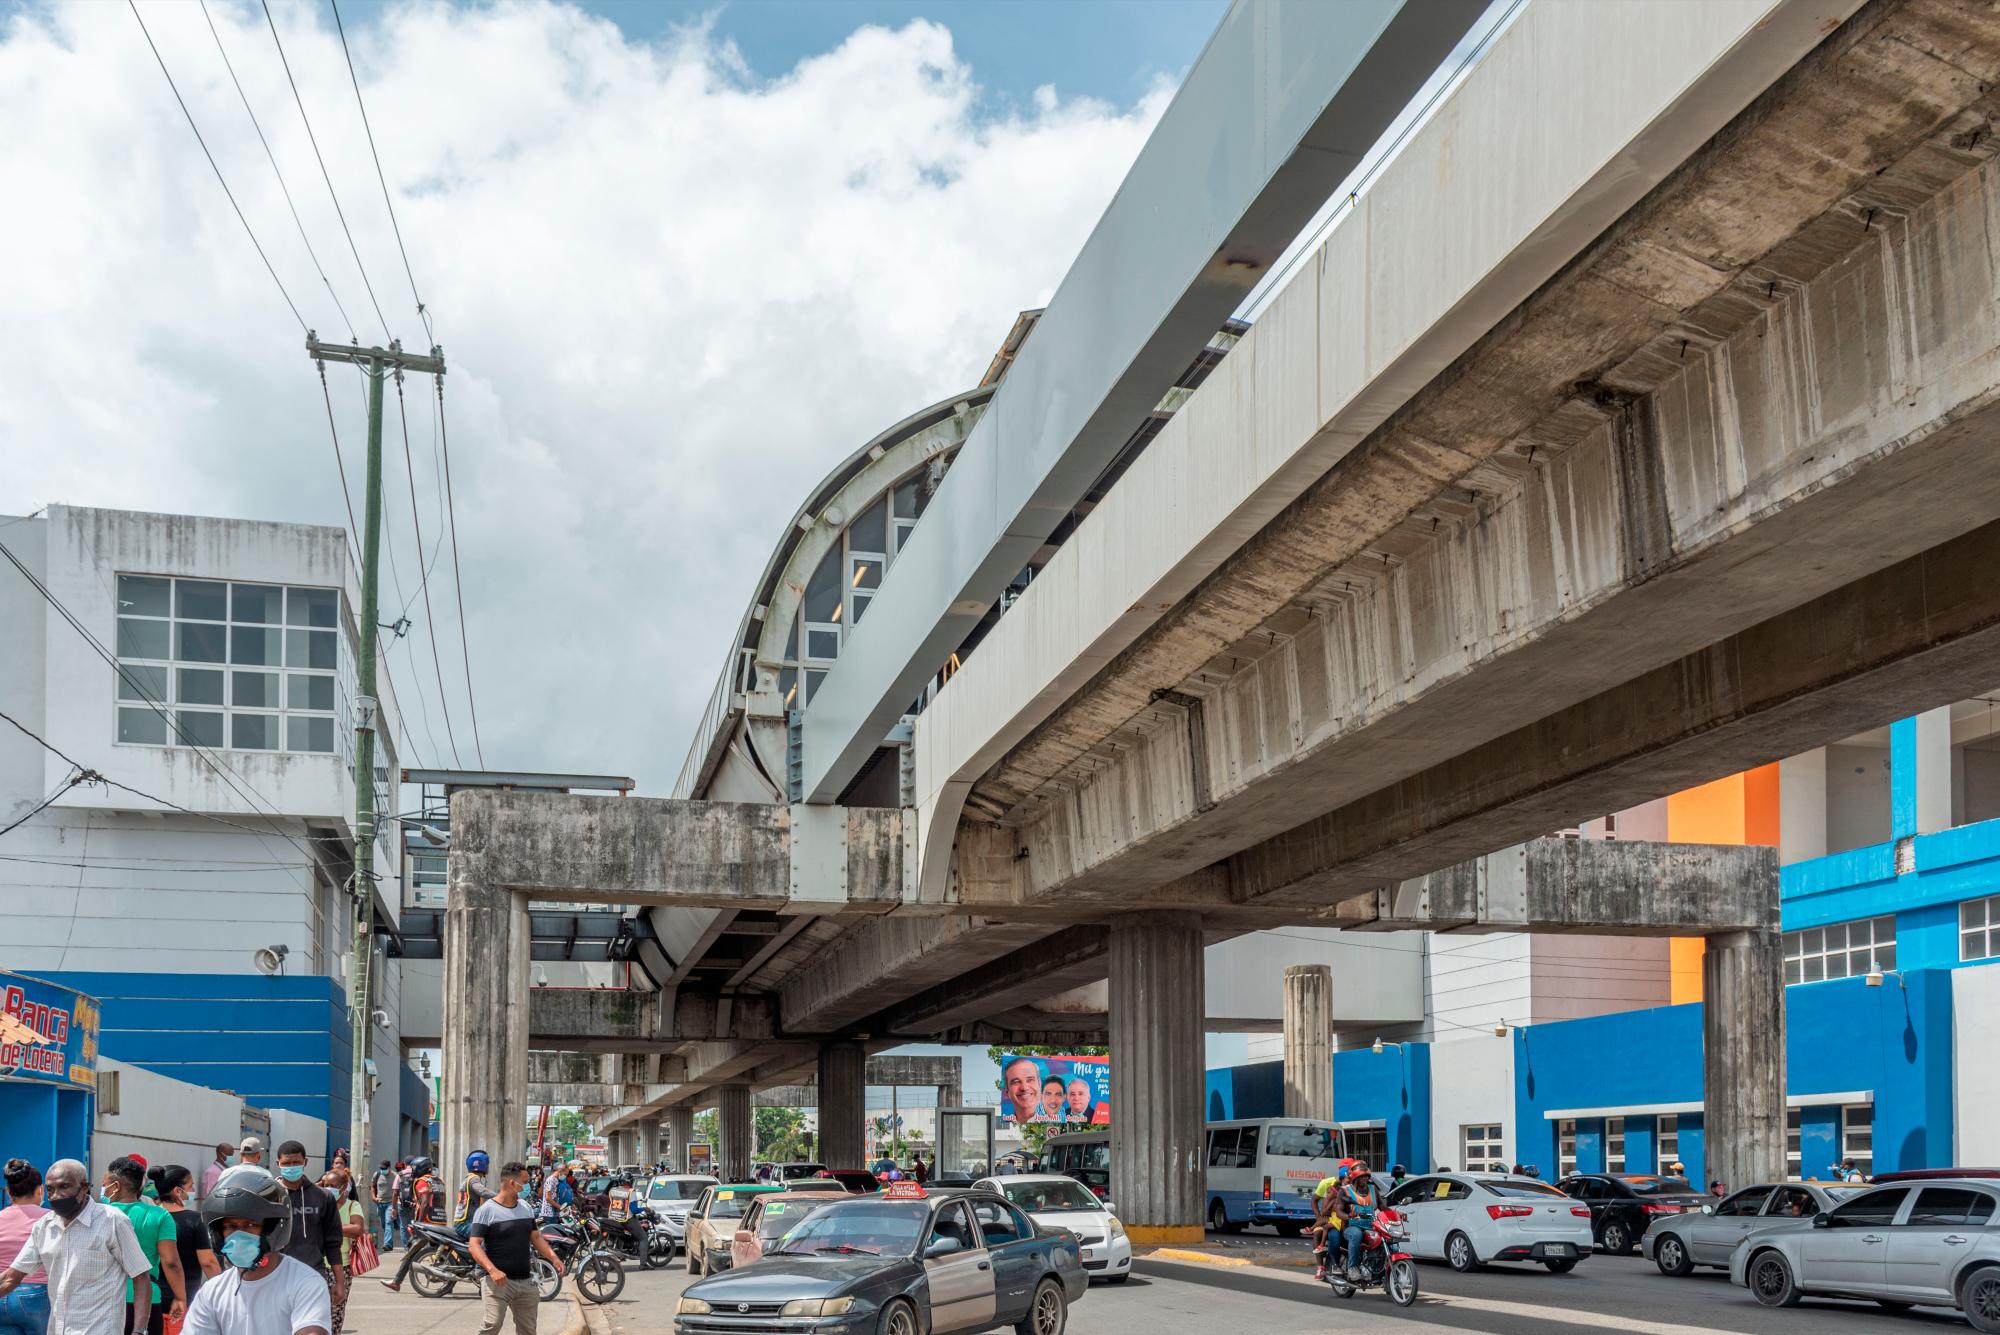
(503, 1240)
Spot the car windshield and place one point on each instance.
(780, 1217)
(1521, 1189)
(792, 1170)
(1659, 1186)
(674, 1191)
(1039, 1197)
(730, 1205)
(864, 1228)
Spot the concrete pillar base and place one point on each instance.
(1158, 1154)
(649, 1142)
(485, 1047)
(1309, 1041)
(1743, 1058)
(680, 1130)
(1168, 1235)
(737, 1130)
(843, 1105)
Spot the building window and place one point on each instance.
(1565, 1148)
(1481, 1150)
(1979, 928)
(1844, 950)
(1857, 1136)
(1370, 1143)
(1614, 1144)
(1794, 1157)
(238, 667)
(1669, 1141)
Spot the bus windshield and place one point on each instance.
(1302, 1142)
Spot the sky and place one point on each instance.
(681, 259)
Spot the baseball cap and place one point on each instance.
(250, 1145)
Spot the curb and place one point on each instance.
(585, 1318)
(1199, 1258)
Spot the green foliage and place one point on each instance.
(706, 1126)
(781, 1135)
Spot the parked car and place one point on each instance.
(769, 1218)
(1624, 1205)
(792, 1172)
(1707, 1235)
(856, 1181)
(1055, 1201)
(711, 1225)
(902, 1262)
(1931, 1242)
(1468, 1219)
(671, 1196)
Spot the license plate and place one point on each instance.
(1561, 1249)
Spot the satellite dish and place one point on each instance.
(271, 959)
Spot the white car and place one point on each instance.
(670, 1196)
(1468, 1219)
(1055, 1201)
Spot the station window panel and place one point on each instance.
(1979, 928)
(192, 660)
(1841, 950)
(1794, 1156)
(1668, 1141)
(1614, 1144)
(1565, 1147)
(1481, 1148)
(870, 533)
(1857, 1136)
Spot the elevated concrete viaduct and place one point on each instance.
(1634, 428)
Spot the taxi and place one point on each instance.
(904, 1262)
(712, 1223)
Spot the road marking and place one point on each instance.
(1199, 1258)
(1567, 1315)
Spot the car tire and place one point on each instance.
(1979, 1299)
(1048, 1311)
(1218, 1219)
(1670, 1254)
(1615, 1238)
(694, 1262)
(898, 1318)
(1458, 1252)
(1562, 1267)
(1769, 1278)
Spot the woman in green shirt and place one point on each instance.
(123, 1181)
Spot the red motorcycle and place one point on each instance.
(1381, 1261)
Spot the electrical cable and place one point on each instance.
(324, 174)
(430, 622)
(422, 314)
(74, 779)
(220, 180)
(458, 582)
(273, 159)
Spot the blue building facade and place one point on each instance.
(48, 1069)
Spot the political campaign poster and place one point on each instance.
(1057, 1091)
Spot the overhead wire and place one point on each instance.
(458, 582)
(430, 622)
(422, 313)
(213, 166)
(273, 159)
(324, 174)
(75, 777)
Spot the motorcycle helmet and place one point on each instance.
(420, 1167)
(249, 1192)
(476, 1162)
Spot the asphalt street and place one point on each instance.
(1619, 1294)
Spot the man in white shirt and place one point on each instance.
(89, 1252)
(260, 1291)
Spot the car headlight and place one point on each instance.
(818, 1306)
(1117, 1229)
(692, 1307)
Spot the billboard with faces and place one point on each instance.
(1063, 1091)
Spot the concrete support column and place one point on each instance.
(680, 1130)
(1309, 1041)
(1743, 1058)
(649, 1142)
(485, 1047)
(1157, 1055)
(843, 1105)
(736, 1128)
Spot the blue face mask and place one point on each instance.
(292, 1172)
(243, 1250)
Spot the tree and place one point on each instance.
(1036, 1134)
(705, 1127)
(781, 1134)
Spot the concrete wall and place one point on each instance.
(1975, 1017)
(1390, 1089)
(1377, 977)
(1475, 981)
(1575, 976)
(1857, 796)
(167, 1121)
(1473, 1085)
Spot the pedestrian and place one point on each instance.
(261, 1291)
(315, 1233)
(503, 1234)
(251, 1151)
(918, 1169)
(124, 1182)
(89, 1253)
(198, 1264)
(215, 1169)
(425, 1191)
(26, 1310)
(382, 1195)
(353, 1223)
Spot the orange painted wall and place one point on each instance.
(1741, 809)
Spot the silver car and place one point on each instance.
(1931, 1243)
(1708, 1236)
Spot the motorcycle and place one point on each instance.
(442, 1261)
(637, 1238)
(578, 1239)
(1381, 1262)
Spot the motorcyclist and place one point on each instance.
(472, 1193)
(1356, 1204)
(260, 1291)
(1325, 1198)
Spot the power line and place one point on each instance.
(416, 519)
(422, 314)
(324, 174)
(458, 583)
(74, 779)
(273, 158)
(247, 231)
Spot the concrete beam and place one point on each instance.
(599, 1021)
(1607, 887)
(660, 852)
(1035, 972)
(882, 961)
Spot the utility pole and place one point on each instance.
(378, 363)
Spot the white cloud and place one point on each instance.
(671, 296)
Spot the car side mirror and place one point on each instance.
(744, 1235)
(1822, 1220)
(942, 1247)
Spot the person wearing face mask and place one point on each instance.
(216, 1169)
(89, 1252)
(175, 1185)
(315, 1237)
(26, 1310)
(249, 1218)
(154, 1227)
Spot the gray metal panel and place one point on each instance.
(1277, 112)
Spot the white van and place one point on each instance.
(1083, 1155)
(1263, 1171)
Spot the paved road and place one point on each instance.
(1613, 1294)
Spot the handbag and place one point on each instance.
(364, 1257)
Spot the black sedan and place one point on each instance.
(902, 1263)
(1624, 1205)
